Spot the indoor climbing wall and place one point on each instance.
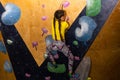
(37, 15)
(25, 40)
(6, 71)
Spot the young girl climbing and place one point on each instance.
(59, 27)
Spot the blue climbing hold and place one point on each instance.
(8, 66)
(84, 33)
(11, 15)
(2, 47)
(49, 40)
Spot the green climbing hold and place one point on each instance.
(93, 7)
(75, 43)
(59, 68)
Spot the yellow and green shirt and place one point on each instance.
(64, 26)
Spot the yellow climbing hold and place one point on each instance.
(89, 78)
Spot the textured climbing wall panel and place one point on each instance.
(33, 34)
(31, 22)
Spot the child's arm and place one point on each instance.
(67, 18)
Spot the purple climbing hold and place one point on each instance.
(77, 58)
(43, 5)
(66, 4)
(27, 75)
(47, 78)
(35, 44)
(44, 31)
(44, 18)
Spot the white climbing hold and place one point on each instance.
(45, 56)
(9, 41)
